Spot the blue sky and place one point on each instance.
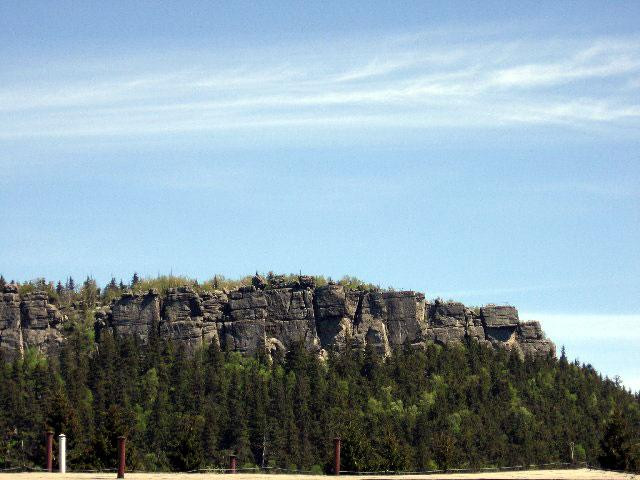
(477, 151)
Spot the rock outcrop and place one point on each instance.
(271, 316)
(10, 321)
(28, 322)
(132, 314)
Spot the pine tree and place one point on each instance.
(71, 285)
(461, 406)
(112, 286)
(563, 357)
(89, 293)
(135, 280)
(619, 448)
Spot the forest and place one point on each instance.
(463, 406)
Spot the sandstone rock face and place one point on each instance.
(500, 324)
(335, 312)
(182, 318)
(10, 327)
(243, 327)
(406, 322)
(532, 341)
(213, 306)
(28, 322)
(134, 314)
(273, 316)
(290, 317)
(499, 316)
(447, 322)
(369, 326)
(40, 323)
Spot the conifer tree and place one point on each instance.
(462, 406)
(619, 448)
(112, 286)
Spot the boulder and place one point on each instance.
(499, 316)
(532, 340)
(500, 325)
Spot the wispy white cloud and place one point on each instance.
(600, 60)
(408, 83)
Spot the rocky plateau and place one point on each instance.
(274, 317)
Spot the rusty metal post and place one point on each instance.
(336, 456)
(121, 456)
(233, 463)
(49, 451)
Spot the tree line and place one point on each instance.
(89, 294)
(463, 406)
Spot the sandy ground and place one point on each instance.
(579, 474)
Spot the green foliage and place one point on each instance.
(440, 408)
(220, 282)
(162, 283)
(418, 410)
(620, 443)
(353, 283)
(38, 284)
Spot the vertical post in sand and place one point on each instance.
(122, 441)
(49, 451)
(62, 453)
(336, 456)
(233, 463)
(571, 447)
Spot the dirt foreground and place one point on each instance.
(579, 474)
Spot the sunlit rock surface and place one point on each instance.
(274, 316)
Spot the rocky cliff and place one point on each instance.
(275, 316)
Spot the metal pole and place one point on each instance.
(571, 446)
(62, 454)
(49, 451)
(122, 441)
(336, 456)
(233, 463)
